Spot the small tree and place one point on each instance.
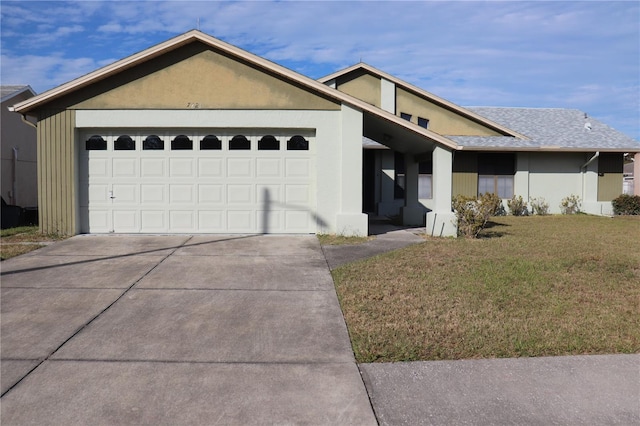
(472, 214)
(570, 204)
(626, 205)
(518, 206)
(539, 206)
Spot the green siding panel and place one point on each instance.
(56, 172)
(610, 176)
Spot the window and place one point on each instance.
(425, 184)
(268, 142)
(210, 142)
(425, 181)
(423, 122)
(495, 174)
(398, 186)
(124, 143)
(153, 142)
(405, 116)
(96, 143)
(297, 143)
(239, 142)
(181, 142)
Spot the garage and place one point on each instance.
(204, 181)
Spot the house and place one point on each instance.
(17, 150)
(194, 135)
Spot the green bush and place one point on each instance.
(473, 213)
(539, 206)
(626, 205)
(570, 205)
(518, 206)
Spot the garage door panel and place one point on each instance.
(297, 194)
(125, 221)
(182, 220)
(125, 167)
(239, 167)
(98, 168)
(297, 168)
(181, 194)
(181, 167)
(297, 220)
(268, 167)
(152, 168)
(99, 220)
(152, 193)
(240, 220)
(269, 221)
(210, 167)
(98, 194)
(211, 194)
(125, 194)
(153, 221)
(268, 194)
(211, 220)
(240, 194)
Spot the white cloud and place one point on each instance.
(576, 54)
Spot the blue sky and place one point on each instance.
(561, 54)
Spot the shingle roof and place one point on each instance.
(549, 128)
(7, 91)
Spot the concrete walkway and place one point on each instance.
(176, 330)
(386, 238)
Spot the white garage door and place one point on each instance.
(211, 182)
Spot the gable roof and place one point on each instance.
(257, 61)
(425, 95)
(549, 129)
(8, 92)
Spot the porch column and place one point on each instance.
(441, 220)
(412, 212)
(350, 221)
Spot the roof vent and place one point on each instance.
(587, 125)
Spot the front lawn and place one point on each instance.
(23, 239)
(530, 286)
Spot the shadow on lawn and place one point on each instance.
(489, 232)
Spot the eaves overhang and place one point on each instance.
(425, 95)
(39, 101)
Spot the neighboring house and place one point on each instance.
(17, 150)
(197, 136)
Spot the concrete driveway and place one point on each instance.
(176, 330)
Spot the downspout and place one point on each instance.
(24, 120)
(583, 170)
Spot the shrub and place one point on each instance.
(518, 206)
(473, 213)
(539, 206)
(570, 204)
(626, 205)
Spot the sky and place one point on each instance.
(561, 54)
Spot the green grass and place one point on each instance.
(530, 286)
(23, 239)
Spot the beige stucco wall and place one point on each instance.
(15, 133)
(441, 120)
(365, 87)
(196, 77)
